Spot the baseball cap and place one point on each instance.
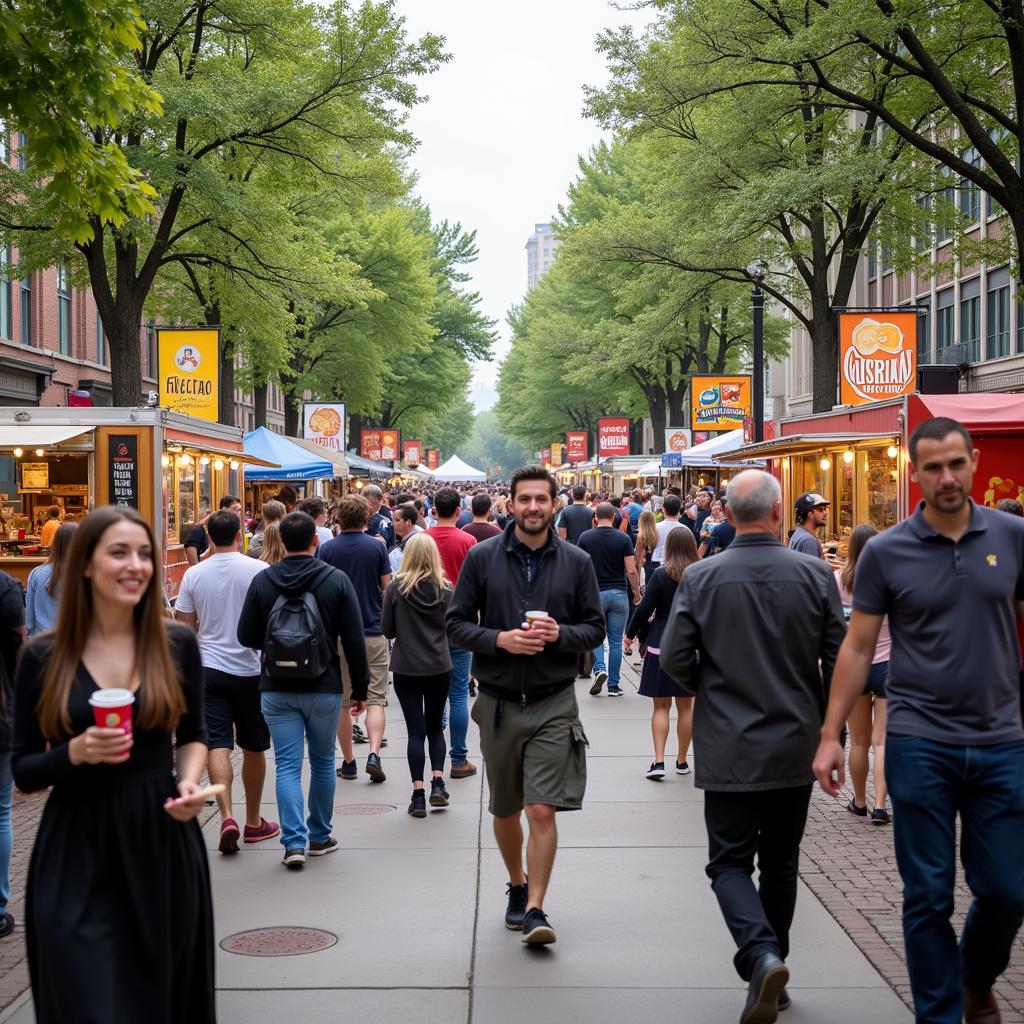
(809, 500)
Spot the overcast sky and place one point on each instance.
(503, 127)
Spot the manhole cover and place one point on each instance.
(278, 941)
(366, 809)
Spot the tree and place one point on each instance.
(491, 449)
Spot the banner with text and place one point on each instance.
(877, 356)
(324, 423)
(411, 454)
(433, 458)
(189, 364)
(545, 456)
(378, 445)
(612, 436)
(557, 453)
(718, 402)
(576, 443)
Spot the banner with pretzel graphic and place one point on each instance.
(877, 356)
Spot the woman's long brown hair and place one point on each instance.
(161, 697)
(647, 531)
(59, 555)
(858, 538)
(680, 551)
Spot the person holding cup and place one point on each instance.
(108, 710)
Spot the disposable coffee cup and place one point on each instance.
(535, 616)
(113, 709)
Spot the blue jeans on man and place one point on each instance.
(458, 703)
(615, 605)
(294, 718)
(929, 783)
(6, 830)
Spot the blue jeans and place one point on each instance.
(293, 718)
(929, 783)
(615, 605)
(458, 702)
(6, 832)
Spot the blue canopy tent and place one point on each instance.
(295, 462)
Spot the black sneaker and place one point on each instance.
(785, 1002)
(418, 804)
(294, 858)
(517, 897)
(599, 680)
(358, 736)
(767, 983)
(880, 816)
(374, 769)
(682, 768)
(860, 812)
(349, 771)
(322, 849)
(537, 931)
(7, 924)
(438, 794)
(614, 691)
(657, 770)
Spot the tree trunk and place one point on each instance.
(657, 406)
(292, 410)
(259, 402)
(125, 355)
(825, 365)
(355, 427)
(226, 396)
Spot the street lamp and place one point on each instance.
(757, 271)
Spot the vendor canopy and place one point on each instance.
(706, 453)
(456, 469)
(295, 462)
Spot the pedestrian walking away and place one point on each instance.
(297, 613)
(648, 622)
(611, 553)
(481, 528)
(273, 512)
(12, 634)
(414, 617)
(757, 716)
(119, 917)
(526, 604)
(950, 579)
(575, 519)
(42, 591)
(210, 601)
(672, 508)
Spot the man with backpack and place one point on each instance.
(296, 612)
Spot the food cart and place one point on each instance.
(857, 457)
(172, 468)
(308, 472)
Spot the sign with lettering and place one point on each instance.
(718, 402)
(378, 444)
(189, 364)
(35, 476)
(433, 458)
(576, 443)
(612, 436)
(123, 462)
(412, 453)
(324, 423)
(545, 456)
(877, 356)
(557, 453)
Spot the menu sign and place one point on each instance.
(124, 469)
(378, 445)
(557, 453)
(35, 476)
(612, 436)
(576, 446)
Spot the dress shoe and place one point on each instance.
(767, 981)
(981, 1009)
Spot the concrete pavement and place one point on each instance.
(418, 905)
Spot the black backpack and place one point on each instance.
(295, 645)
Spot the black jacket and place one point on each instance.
(493, 594)
(12, 622)
(415, 621)
(754, 634)
(339, 610)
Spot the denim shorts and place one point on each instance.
(877, 677)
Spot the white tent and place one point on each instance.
(705, 454)
(456, 469)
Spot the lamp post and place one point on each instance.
(757, 272)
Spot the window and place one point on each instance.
(22, 143)
(26, 310)
(5, 292)
(945, 204)
(992, 208)
(923, 235)
(5, 151)
(945, 335)
(924, 330)
(872, 258)
(970, 194)
(150, 349)
(970, 319)
(997, 314)
(63, 311)
(101, 340)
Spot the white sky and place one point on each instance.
(503, 127)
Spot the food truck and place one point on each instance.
(171, 467)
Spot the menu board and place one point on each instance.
(123, 461)
(35, 476)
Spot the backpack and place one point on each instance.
(295, 644)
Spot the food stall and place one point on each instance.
(172, 468)
(620, 473)
(309, 473)
(857, 457)
(362, 470)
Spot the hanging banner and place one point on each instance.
(612, 436)
(677, 439)
(433, 458)
(411, 453)
(877, 356)
(719, 403)
(576, 446)
(378, 444)
(557, 453)
(545, 456)
(189, 364)
(324, 423)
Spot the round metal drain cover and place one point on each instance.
(281, 941)
(366, 809)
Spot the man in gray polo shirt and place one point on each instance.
(951, 580)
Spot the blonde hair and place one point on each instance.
(273, 547)
(647, 530)
(421, 561)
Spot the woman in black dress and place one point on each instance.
(680, 551)
(118, 912)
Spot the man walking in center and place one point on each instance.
(576, 518)
(530, 732)
(754, 634)
(672, 507)
(951, 581)
(210, 601)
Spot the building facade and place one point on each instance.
(540, 253)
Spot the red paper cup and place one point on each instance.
(112, 709)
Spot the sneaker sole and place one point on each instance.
(263, 839)
(438, 801)
(418, 813)
(229, 841)
(462, 775)
(514, 927)
(599, 681)
(683, 771)
(348, 778)
(323, 853)
(614, 693)
(542, 935)
(376, 773)
(655, 775)
(295, 865)
(766, 1009)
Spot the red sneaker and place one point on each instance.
(228, 836)
(264, 830)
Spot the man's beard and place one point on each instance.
(535, 526)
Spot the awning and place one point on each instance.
(227, 454)
(804, 444)
(291, 461)
(981, 412)
(652, 468)
(336, 458)
(12, 435)
(358, 466)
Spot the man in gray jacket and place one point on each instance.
(754, 633)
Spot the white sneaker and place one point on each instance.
(657, 770)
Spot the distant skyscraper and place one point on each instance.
(540, 253)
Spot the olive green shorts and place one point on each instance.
(535, 754)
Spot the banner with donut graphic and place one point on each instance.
(877, 356)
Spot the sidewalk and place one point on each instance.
(417, 908)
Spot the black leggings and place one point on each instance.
(422, 699)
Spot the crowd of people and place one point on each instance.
(285, 639)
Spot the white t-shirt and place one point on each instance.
(665, 527)
(215, 590)
(324, 534)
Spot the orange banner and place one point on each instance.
(877, 356)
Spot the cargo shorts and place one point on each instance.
(535, 753)
(377, 655)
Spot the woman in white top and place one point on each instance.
(867, 721)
